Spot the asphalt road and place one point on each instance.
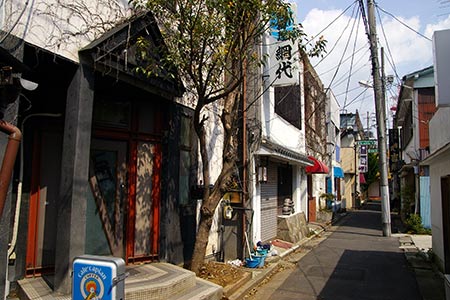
(353, 261)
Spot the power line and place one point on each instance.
(345, 76)
(353, 56)
(351, 90)
(337, 40)
(339, 64)
(342, 57)
(392, 64)
(349, 57)
(403, 23)
(332, 22)
(356, 98)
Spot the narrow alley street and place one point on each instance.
(354, 261)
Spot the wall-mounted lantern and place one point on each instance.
(227, 210)
(262, 169)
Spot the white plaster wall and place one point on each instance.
(279, 130)
(318, 185)
(439, 167)
(214, 138)
(296, 188)
(303, 191)
(276, 128)
(335, 114)
(412, 148)
(439, 129)
(256, 204)
(213, 238)
(62, 26)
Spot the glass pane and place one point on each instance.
(112, 113)
(105, 163)
(108, 193)
(96, 241)
(143, 224)
(147, 120)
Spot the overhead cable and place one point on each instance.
(353, 57)
(388, 48)
(332, 22)
(340, 61)
(403, 23)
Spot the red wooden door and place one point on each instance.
(311, 209)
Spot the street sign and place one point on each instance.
(373, 150)
(368, 142)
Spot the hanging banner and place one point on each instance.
(284, 64)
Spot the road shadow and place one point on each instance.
(368, 275)
(362, 275)
(369, 217)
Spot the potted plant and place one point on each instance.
(325, 213)
(329, 199)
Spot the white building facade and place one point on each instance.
(277, 153)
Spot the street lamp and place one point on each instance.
(365, 83)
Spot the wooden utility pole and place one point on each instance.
(381, 121)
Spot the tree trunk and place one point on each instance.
(211, 198)
(201, 242)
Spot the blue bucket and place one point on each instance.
(253, 262)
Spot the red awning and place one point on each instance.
(318, 167)
(362, 179)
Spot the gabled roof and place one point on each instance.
(114, 54)
(422, 78)
(422, 72)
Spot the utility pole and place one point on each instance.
(368, 128)
(381, 121)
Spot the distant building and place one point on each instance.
(415, 108)
(352, 131)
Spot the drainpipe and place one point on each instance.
(9, 158)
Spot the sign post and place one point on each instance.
(98, 278)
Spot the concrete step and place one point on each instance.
(203, 290)
(167, 281)
(145, 282)
(157, 281)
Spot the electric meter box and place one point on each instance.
(98, 278)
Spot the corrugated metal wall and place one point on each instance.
(425, 201)
(269, 204)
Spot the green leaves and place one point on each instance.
(209, 40)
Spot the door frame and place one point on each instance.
(33, 213)
(156, 204)
(445, 201)
(132, 140)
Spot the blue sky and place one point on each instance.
(428, 10)
(406, 51)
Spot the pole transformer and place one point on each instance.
(381, 121)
